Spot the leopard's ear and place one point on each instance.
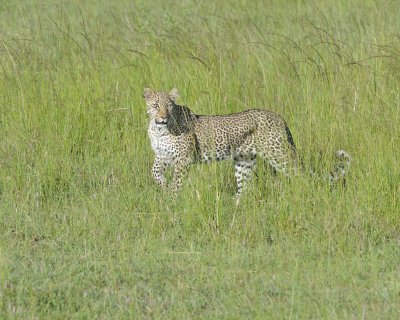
(148, 94)
(174, 94)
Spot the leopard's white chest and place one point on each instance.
(162, 142)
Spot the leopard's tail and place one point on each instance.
(340, 169)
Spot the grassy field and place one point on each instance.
(85, 232)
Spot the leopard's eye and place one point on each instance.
(156, 106)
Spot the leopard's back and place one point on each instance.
(240, 134)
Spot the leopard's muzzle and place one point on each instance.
(161, 121)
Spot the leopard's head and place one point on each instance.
(160, 105)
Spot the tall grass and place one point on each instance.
(86, 233)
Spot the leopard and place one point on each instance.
(179, 138)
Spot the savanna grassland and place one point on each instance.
(85, 232)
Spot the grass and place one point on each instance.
(86, 233)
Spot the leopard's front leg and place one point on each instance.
(183, 159)
(158, 170)
(179, 173)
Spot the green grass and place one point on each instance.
(85, 232)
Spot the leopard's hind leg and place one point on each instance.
(245, 162)
(278, 148)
